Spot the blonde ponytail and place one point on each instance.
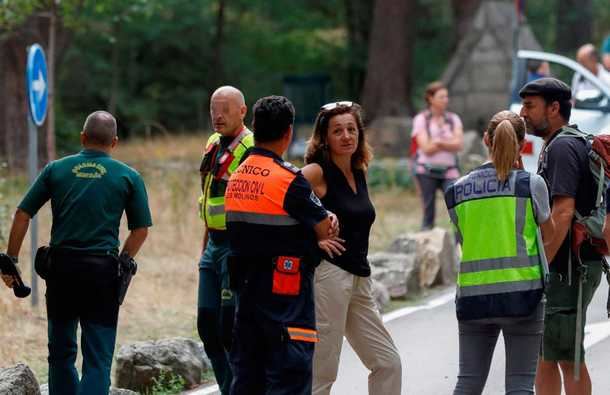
(504, 149)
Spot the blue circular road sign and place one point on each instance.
(37, 84)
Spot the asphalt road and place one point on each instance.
(427, 338)
(428, 343)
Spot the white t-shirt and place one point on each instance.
(582, 85)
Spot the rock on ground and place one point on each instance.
(138, 363)
(396, 271)
(18, 380)
(436, 255)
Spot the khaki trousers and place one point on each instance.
(345, 306)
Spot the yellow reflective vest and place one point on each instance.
(214, 182)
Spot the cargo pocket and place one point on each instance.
(287, 276)
(559, 334)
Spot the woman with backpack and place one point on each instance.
(439, 137)
(501, 214)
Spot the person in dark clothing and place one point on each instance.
(89, 192)
(273, 222)
(337, 158)
(564, 165)
(224, 151)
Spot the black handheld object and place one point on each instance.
(606, 270)
(8, 268)
(127, 269)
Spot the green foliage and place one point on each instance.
(155, 61)
(387, 174)
(156, 58)
(434, 41)
(166, 384)
(13, 13)
(542, 18)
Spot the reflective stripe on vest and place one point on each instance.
(498, 232)
(255, 193)
(302, 334)
(212, 208)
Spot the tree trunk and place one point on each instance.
(387, 87)
(463, 11)
(116, 72)
(217, 76)
(13, 121)
(51, 153)
(358, 17)
(574, 25)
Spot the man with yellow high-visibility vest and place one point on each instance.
(224, 151)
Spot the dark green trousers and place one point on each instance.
(81, 289)
(97, 343)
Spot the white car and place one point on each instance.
(591, 109)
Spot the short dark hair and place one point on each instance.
(565, 106)
(533, 65)
(273, 115)
(100, 128)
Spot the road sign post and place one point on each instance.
(37, 92)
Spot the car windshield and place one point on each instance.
(585, 94)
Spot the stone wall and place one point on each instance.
(479, 74)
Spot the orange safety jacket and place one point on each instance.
(255, 193)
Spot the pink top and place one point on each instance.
(437, 132)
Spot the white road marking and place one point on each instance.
(594, 333)
(213, 389)
(431, 304)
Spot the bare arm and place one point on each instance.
(314, 174)
(548, 230)
(428, 147)
(21, 223)
(19, 228)
(134, 241)
(205, 238)
(456, 143)
(561, 216)
(332, 245)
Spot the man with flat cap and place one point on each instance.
(573, 279)
(89, 192)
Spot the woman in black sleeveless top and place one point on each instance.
(337, 158)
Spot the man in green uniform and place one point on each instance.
(89, 192)
(223, 153)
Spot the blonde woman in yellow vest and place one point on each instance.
(224, 152)
(500, 213)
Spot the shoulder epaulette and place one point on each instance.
(288, 166)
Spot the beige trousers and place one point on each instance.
(345, 306)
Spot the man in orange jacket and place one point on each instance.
(274, 221)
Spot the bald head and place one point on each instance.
(587, 56)
(230, 92)
(100, 128)
(227, 110)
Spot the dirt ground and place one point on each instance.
(162, 300)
